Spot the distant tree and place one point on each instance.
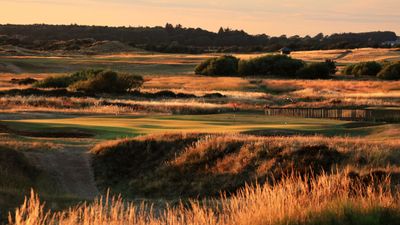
(48, 37)
(221, 31)
(319, 36)
(169, 27)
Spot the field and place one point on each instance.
(192, 149)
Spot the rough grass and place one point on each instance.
(17, 177)
(246, 94)
(345, 56)
(334, 199)
(191, 165)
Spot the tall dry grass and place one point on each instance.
(108, 106)
(334, 199)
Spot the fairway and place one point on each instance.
(113, 127)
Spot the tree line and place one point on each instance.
(286, 67)
(179, 39)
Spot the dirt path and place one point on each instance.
(70, 167)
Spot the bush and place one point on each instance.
(390, 72)
(65, 81)
(224, 65)
(332, 66)
(108, 82)
(280, 65)
(62, 81)
(348, 70)
(94, 81)
(23, 81)
(364, 68)
(314, 71)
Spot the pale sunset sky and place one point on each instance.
(273, 17)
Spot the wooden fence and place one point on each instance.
(382, 115)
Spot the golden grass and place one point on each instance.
(198, 83)
(351, 56)
(336, 199)
(10, 142)
(97, 106)
(378, 153)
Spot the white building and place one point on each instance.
(392, 43)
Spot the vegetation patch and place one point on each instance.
(371, 68)
(320, 70)
(390, 72)
(268, 65)
(16, 171)
(195, 165)
(279, 65)
(23, 81)
(94, 81)
(224, 65)
(17, 176)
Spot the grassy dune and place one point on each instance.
(191, 165)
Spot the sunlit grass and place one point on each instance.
(332, 199)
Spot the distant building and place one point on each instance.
(392, 43)
(286, 51)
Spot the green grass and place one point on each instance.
(113, 127)
(72, 64)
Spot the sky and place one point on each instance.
(272, 17)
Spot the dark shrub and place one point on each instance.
(367, 68)
(23, 81)
(108, 82)
(165, 94)
(280, 65)
(314, 71)
(185, 95)
(224, 65)
(64, 81)
(332, 66)
(348, 70)
(363, 68)
(202, 67)
(214, 95)
(390, 72)
(61, 92)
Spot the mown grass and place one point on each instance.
(111, 127)
(71, 64)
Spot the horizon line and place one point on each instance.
(163, 26)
